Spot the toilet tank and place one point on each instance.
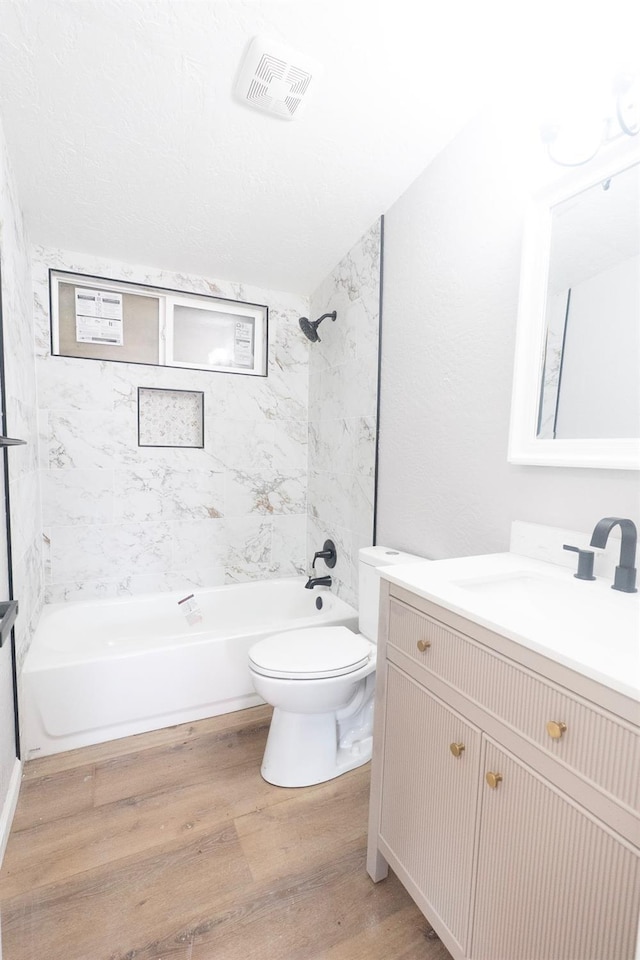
(370, 558)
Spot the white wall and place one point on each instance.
(451, 274)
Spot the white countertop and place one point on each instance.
(582, 624)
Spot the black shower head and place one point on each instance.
(310, 327)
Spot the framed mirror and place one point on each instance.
(576, 388)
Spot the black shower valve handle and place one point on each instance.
(328, 554)
(320, 555)
(585, 562)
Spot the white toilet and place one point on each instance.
(321, 681)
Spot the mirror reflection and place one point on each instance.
(591, 384)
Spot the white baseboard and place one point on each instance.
(9, 808)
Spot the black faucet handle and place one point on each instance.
(328, 554)
(585, 562)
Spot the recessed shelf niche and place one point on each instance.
(170, 418)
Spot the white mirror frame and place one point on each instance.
(524, 446)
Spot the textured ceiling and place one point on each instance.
(127, 142)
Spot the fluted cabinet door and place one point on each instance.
(552, 882)
(429, 799)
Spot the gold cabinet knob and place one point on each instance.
(493, 779)
(555, 729)
(456, 749)
(423, 645)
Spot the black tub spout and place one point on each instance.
(317, 582)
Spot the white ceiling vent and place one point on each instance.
(276, 79)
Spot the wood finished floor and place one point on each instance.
(170, 846)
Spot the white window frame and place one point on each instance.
(209, 304)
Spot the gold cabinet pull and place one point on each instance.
(555, 729)
(456, 749)
(493, 779)
(423, 645)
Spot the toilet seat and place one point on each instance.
(310, 654)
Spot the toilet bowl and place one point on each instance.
(321, 683)
(316, 681)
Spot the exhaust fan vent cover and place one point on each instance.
(276, 79)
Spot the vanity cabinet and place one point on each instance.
(504, 791)
(429, 821)
(551, 881)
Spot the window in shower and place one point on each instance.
(100, 319)
(222, 336)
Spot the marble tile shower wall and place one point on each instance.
(343, 394)
(121, 519)
(20, 388)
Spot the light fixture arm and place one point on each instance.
(623, 121)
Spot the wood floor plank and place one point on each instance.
(108, 772)
(113, 910)
(56, 795)
(178, 850)
(308, 827)
(197, 759)
(404, 935)
(287, 920)
(56, 850)
(291, 919)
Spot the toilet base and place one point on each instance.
(302, 749)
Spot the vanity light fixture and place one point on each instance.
(577, 141)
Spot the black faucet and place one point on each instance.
(625, 576)
(317, 582)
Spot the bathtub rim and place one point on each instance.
(43, 656)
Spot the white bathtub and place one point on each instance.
(112, 668)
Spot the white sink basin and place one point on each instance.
(531, 589)
(582, 623)
(575, 603)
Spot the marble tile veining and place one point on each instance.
(265, 492)
(287, 460)
(127, 548)
(343, 383)
(121, 518)
(77, 496)
(21, 414)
